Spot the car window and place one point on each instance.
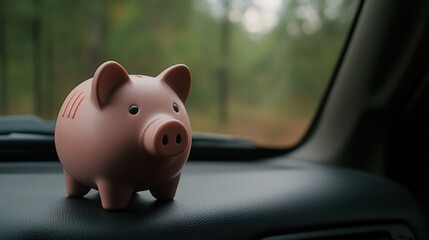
(259, 67)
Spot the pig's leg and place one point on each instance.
(73, 187)
(166, 191)
(114, 196)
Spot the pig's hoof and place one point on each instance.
(114, 196)
(73, 187)
(166, 192)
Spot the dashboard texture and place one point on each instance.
(214, 200)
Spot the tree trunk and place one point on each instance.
(48, 61)
(98, 25)
(37, 58)
(224, 65)
(3, 59)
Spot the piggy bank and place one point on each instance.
(121, 133)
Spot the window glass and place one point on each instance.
(260, 67)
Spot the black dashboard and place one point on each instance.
(276, 198)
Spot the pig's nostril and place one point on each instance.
(165, 140)
(178, 139)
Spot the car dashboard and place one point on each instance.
(274, 198)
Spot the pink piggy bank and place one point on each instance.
(121, 134)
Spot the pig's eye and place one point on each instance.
(175, 107)
(133, 109)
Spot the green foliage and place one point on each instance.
(275, 79)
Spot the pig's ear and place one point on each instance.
(108, 77)
(178, 77)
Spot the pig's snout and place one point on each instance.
(166, 138)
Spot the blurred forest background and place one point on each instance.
(260, 67)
